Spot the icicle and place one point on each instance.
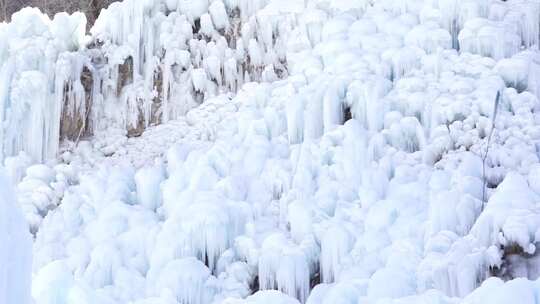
(207, 26)
(6, 73)
(167, 83)
(255, 53)
(213, 67)
(449, 19)
(219, 15)
(300, 218)
(295, 120)
(293, 274)
(403, 61)
(148, 181)
(531, 25)
(335, 246)
(230, 71)
(354, 153)
(30, 121)
(208, 226)
(284, 267)
(332, 107)
(198, 77)
(366, 102)
(407, 135)
(31, 95)
(521, 72)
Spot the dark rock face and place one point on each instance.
(72, 126)
(347, 114)
(138, 129)
(516, 263)
(125, 75)
(156, 115)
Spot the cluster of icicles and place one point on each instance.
(145, 62)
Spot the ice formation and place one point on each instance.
(16, 248)
(144, 63)
(272, 151)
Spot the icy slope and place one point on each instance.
(359, 178)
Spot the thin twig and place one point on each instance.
(490, 135)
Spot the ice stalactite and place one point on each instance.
(209, 232)
(335, 246)
(449, 19)
(32, 133)
(148, 182)
(204, 225)
(501, 29)
(407, 135)
(299, 217)
(74, 90)
(521, 72)
(30, 102)
(295, 120)
(284, 266)
(333, 106)
(366, 103)
(293, 275)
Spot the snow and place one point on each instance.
(276, 151)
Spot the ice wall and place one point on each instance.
(143, 63)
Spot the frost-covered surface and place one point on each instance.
(356, 176)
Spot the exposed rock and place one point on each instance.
(125, 75)
(156, 115)
(75, 127)
(138, 129)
